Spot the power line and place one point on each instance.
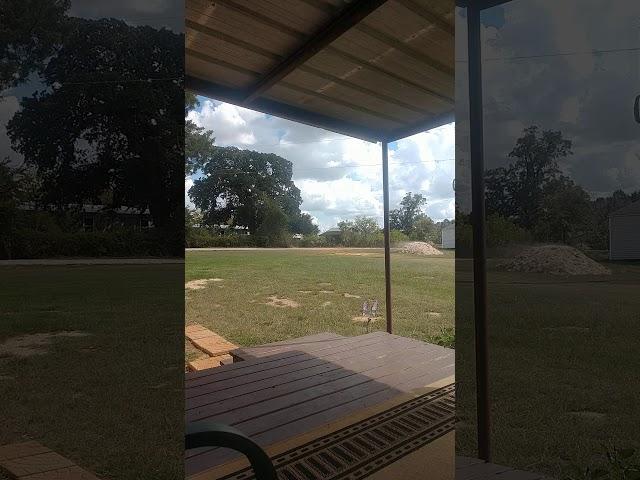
(558, 54)
(126, 80)
(230, 171)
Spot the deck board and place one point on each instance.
(288, 389)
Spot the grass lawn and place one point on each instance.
(564, 366)
(112, 400)
(325, 283)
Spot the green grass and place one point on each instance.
(111, 401)
(558, 345)
(423, 293)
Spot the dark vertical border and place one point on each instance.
(479, 237)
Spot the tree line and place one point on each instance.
(532, 200)
(104, 127)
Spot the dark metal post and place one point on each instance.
(387, 240)
(479, 235)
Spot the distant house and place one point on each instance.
(624, 233)
(449, 236)
(236, 229)
(332, 235)
(102, 217)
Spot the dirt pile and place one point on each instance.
(555, 260)
(419, 248)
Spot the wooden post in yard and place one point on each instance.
(387, 239)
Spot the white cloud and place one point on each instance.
(341, 177)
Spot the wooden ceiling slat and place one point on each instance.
(265, 20)
(232, 24)
(406, 49)
(354, 13)
(288, 96)
(343, 103)
(406, 82)
(373, 52)
(429, 15)
(336, 90)
(357, 75)
(367, 91)
(225, 76)
(291, 86)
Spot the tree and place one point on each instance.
(108, 120)
(272, 231)
(198, 142)
(516, 192)
(410, 210)
(235, 184)
(565, 213)
(31, 32)
(425, 230)
(303, 224)
(361, 225)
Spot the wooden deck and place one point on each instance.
(281, 392)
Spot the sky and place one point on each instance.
(340, 177)
(567, 65)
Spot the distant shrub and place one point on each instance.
(202, 238)
(26, 243)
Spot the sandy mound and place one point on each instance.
(200, 284)
(419, 248)
(274, 301)
(553, 259)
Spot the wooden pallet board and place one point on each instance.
(208, 362)
(209, 342)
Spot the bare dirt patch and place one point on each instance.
(35, 344)
(324, 284)
(274, 301)
(424, 249)
(325, 304)
(355, 254)
(361, 319)
(587, 415)
(567, 328)
(200, 284)
(304, 291)
(555, 260)
(434, 314)
(349, 295)
(326, 291)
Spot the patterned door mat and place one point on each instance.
(359, 450)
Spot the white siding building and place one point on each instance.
(449, 236)
(624, 233)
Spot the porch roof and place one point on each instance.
(379, 70)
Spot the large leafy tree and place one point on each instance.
(30, 32)
(405, 217)
(242, 187)
(198, 142)
(108, 124)
(517, 191)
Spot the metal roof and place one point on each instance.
(372, 69)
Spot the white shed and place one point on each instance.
(449, 236)
(624, 233)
